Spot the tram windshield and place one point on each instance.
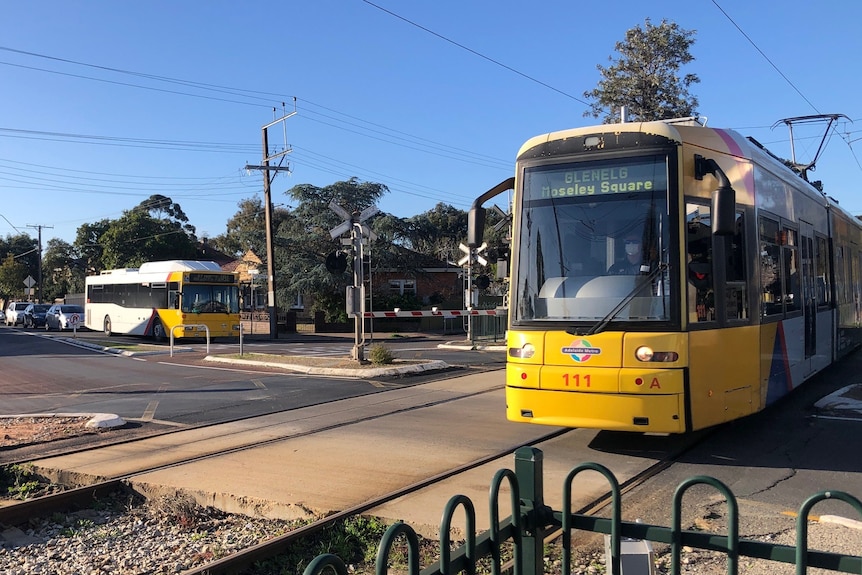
(594, 240)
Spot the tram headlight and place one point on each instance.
(526, 351)
(644, 353)
(647, 354)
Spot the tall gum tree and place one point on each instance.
(646, 76)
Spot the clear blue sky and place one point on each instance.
(106, 103)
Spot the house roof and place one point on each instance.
(208, 252)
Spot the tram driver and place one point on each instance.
(634, 259)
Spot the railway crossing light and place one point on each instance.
(360, 235)
(336, 262)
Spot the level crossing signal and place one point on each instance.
(475, 255)
(336, 262)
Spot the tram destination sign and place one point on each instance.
(597, 180)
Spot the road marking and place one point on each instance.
(158, 421)
(150, 411)
(258, 384)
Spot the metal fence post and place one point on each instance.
(529, 470)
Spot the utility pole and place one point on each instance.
(271, 307)
(39, 271)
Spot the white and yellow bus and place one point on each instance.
(157, 297)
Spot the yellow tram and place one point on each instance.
(666, 277)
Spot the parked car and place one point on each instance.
(64, 316)
(15, 312)
(34, 314)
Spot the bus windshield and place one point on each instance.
(593, 235)
(210, 298)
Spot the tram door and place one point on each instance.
(809, 289)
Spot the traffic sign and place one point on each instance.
(29, 281)
(74, 320)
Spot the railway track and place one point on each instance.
(84, 496)
(80, 444)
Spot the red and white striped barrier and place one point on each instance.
(438, 313)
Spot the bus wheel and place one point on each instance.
(107, 326)
(158, 331)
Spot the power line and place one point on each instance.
(762, 53)
(475, 53)
(241, 92)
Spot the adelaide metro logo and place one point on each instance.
(580, 350)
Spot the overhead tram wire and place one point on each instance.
(499, 163)
(418, 139)
(833, 129)
(765, 57)
(475, 53)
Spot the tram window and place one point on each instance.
(701, 288)
(736, 292)
(790, 257)
(840, 275)
(821, 271)
(770, 272)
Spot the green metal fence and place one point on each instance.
(531, 520)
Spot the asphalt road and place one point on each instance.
(41, 374)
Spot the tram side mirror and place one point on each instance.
(723, 199)
(475, 227)
(724, 211)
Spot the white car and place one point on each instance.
(15, 312)
(64, 316)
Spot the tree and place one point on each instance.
(302, 242)
(246, 230)
(63, 272)
(137, 237)
(12, 274)
(87, 245)
(156, 229)
(163, 208)
(645, 78)
(20, 255)
(438, 231)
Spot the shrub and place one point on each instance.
(380, 355)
